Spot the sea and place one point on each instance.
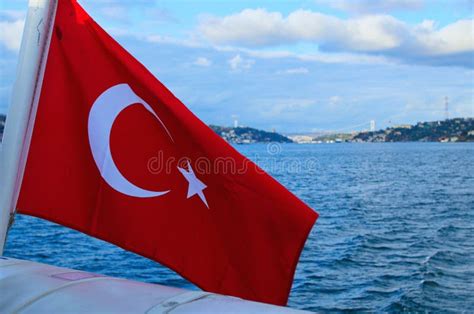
(395, 232)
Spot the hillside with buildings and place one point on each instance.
(246, 135)
(452, 130)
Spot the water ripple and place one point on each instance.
(395, 232)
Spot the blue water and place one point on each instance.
(395, 233)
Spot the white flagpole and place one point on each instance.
(22, 111)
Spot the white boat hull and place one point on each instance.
(29, 287)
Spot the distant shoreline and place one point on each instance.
(451, 130)
(447, 131)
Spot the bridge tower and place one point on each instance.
(372, 125)
(236, 121)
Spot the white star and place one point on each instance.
(195, 185)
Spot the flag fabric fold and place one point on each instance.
(116, 155)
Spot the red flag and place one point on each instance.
(115, 155)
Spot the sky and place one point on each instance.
(292, 66)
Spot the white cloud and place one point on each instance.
(335, 100)
(115, 12)
(453, 38)
(274, 108)
(158, 39)
(351, 58)
(10, 34)
(254, 27)
(201, 61)
(237, 63)
(294, 71)
(371, 6)
(323, 57)
(372, 34)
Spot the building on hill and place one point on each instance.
(452, 130)
(246, 135)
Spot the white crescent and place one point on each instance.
(101, 118)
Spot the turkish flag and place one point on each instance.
(116, 155)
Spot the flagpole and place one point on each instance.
(22, 111)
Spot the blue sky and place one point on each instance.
(295, 66)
